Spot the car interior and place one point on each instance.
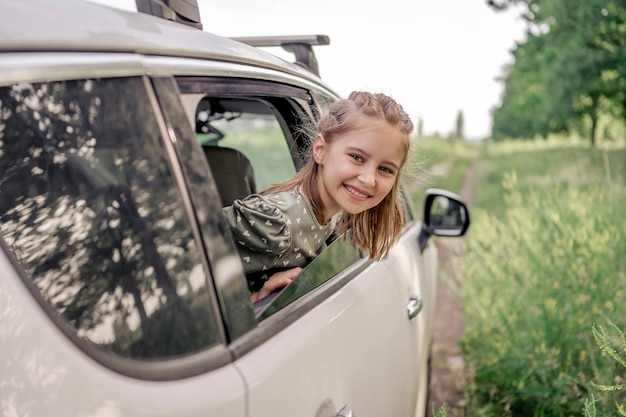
(232, 171)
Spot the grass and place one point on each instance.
(543, 163)
(612, 343)
(544, 262)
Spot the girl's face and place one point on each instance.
(358, 168)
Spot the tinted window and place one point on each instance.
(90, 207)
(339, 255)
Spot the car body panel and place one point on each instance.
(42, 66)
(356, 349)
(45, 374)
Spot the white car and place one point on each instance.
(122, 134)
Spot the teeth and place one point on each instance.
(355, 192)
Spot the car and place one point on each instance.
(122, 136)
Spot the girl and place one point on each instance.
(350, 181)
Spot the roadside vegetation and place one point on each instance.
(544, 278)
(544, 271)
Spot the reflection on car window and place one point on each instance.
(339, 255)
(90, 208)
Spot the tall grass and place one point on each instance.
(612, 343)
(544, 260)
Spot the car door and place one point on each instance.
(346, 343)
(357, 349)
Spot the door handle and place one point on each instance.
(345, 412)
(414, 306)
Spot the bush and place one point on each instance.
(536, 277)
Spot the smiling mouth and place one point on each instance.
(356, 193)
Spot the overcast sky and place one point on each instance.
(436, 57)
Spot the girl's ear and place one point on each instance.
(319, 147)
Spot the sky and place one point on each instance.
(435, 57)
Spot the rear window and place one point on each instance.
(90, 208)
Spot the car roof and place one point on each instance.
(81, 26)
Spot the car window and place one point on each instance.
(91, 209)
(263, 121)
(256, 135)
(266, 124)
(204, 193)
(339, 255)
(250, 126)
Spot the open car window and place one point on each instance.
(262, 122)
(250, 127)
(254, 135)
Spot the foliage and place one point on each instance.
(568, 73)
(528, 108)
(442, 412)
(608, 346)
(541, 162)
(543, 261)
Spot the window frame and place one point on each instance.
(228, 287)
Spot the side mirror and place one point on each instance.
(445, 214)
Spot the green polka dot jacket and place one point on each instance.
(275, 232)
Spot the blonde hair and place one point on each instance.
(374, 230)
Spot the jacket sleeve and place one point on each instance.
(259, 225)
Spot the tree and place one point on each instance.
(570, 69)
(529, 102)
(460, 125)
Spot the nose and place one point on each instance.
(367, 176)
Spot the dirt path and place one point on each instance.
(447, 374)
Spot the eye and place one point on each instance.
(356, 157)
(386, 170)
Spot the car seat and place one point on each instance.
(232, 171)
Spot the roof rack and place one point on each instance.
(300, 45)
(181, 11)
